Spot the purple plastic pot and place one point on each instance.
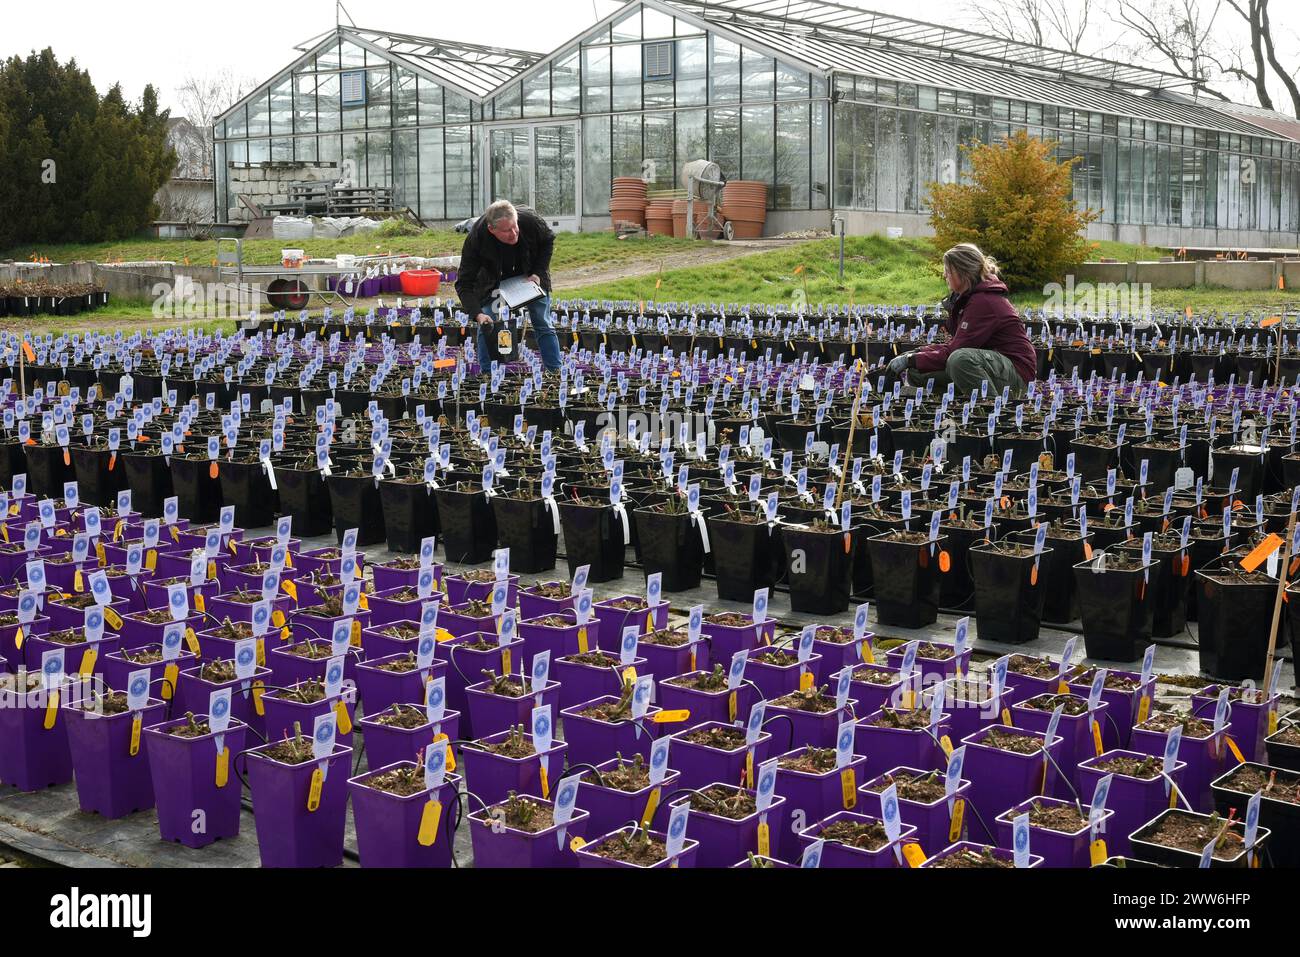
(386, 744)
(195, 537)
(587, 856)
(385, 608)
(32, 757)
(700, 765)
(110, 779)
(725, 840)
(319, 559)
(136, 633)
(704, 706)
(388, 576)
(559, 641)
(74, 656)
(776, 680)
(376, 644)
(1000, 779)
(467, 665)
(238, 577)
(969, 703)
(611, 808)
(62, 576)
(493, 776)
(836, 854)
(726, 640)
(871, 696)
(184, 781)
(63, 616)
(1027, 686)
(288, 668)
(379, 689)
(155, 592)
(888, 748)
(813, 797)
(592, 740)
(288, 834)
(388, 825)
(175, 563)
(460, 591)
(213, 647)
(249, 551)
(533, 605)
(836, 655)
(933, 822)
(667, 661)
(1134, 801)
(496, 844)
(581, 682)
(933, 670)
(1207, 759)
(457, 623)
(193, 693)
(490, 713)
(116, 670)
(1056, 848)
(614, 620)
(1247, 723)
(1077, 742)
(1003, 853)
(1123, 708)
(222, 606)
(40, 625)
(282, 714)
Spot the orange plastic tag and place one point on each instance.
(945, 562)
(113, 619)
(259, 688)
(151, 560)
(213, 471)
(1261, 551)
(1236, 751)
(290, 589)
(78, 581)
(731, 706)
(1096, 738)
(277, 618)
(19, 637)
(88, 661)
(1087, 550)
(806, 681)
(1173, 795)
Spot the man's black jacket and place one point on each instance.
(485, 260)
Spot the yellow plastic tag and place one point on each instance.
(290, 588)
(629, 675)
(1144, 708)
(764, 839)
(99, 553)
(650, 620)
(176, 533)
(546, 782)
(505, 661)
(731, 706)
(52, 709)
(958, 820)
(849, 788)
(577, 844)
(113, 618)
(582, 640)
(259, 689)
(88, 661)
(78, 581)
(135, 734)
(1173, 795)
(651, 805)
(451, 755)
(223, 767)
(212, 571)
(945, 742)
(1272, 722)
(288, 563)
(1006, 717)
(261, 652)
(1096, 739)
(913, 854)
(693, 666)
(170, 674)
(191, 640)
(355, 639)
(284, 633)
(671, 717)
(908, 700)
(19, 637)
(428, 834)
(749, 768)
(313, 795)
(1236, 751)
(4, 531)
(363, 602)
(230, 543)
(1062, 688)
(117, 530)
(1097, 852)
(151, 560)
(277, 618)
(344, 719)
(806, 681)
(199, 603)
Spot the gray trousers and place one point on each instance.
(967, 368)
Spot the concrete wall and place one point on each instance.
(1167, 275)
(1225, 274)
(265, 184)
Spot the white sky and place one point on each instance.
(146, 41)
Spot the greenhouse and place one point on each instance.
(842, 112)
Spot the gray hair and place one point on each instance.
(501, 209)
(968, 261)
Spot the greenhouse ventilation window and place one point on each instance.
(353, 88)
(658, 61)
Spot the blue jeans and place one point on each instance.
(548, 343)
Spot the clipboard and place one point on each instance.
(518, 291)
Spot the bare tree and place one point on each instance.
(204, 98)
(1044, 23)
(1263, 52)
(1180, 31)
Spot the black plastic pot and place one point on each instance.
(100, 475)
(744, 557)
(246, 486)
(1250, 466)
(1055, 572)
(410, 514)
(469, 526)
(1281, 754)
(1173, 857)
(1280, 817)
(1008, 595)
(149, 477)
(820, 570)
(47, 470)
(1116, 608)
(198, 492)
(906, 578)
(13, 461)
(356, 504)
(1094, 461)
(1167, 589)
(1161, 464)
(1025, 450)
(956, 588)
(593, 535)
(670, 545)
(1235, 621)
(527, 528)
(303, 495)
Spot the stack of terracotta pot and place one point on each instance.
(744, 205)
(659, 217)
(628, 203)
(679, 218)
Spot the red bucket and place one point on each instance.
(420, 282)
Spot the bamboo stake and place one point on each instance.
(1281, 590)
(860, 366)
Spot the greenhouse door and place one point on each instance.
(537, 166)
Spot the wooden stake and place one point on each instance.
(853, 426)
(1281, 590)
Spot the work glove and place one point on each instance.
(898, 364)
